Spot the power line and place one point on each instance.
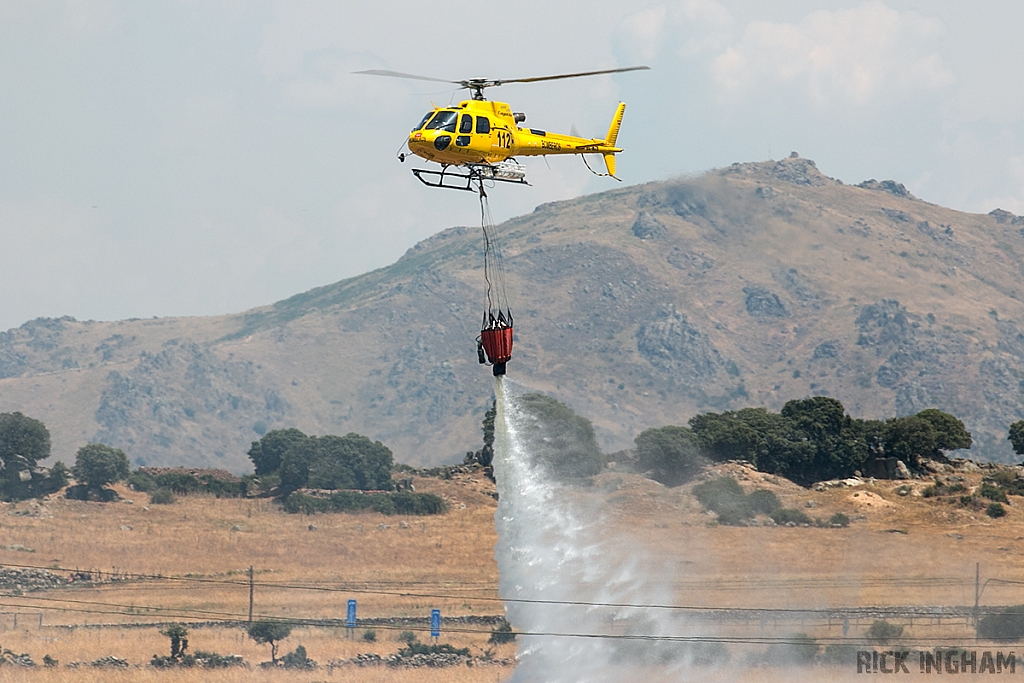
(922, 581)
(239, 620)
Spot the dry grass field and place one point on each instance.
(213, 541)
(203, 547)
(900, 550)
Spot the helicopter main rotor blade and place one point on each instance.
(576, 75)
(396, 74)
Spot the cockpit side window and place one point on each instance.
(444, 120)
(466, 124)
(426, 117)
(483, 124)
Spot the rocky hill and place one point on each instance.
(749, 285)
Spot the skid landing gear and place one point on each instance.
(470, 177)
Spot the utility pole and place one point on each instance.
(250, 593)
(977, 595)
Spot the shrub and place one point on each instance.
(1008, 625)
(989, 491)
(300, 503)
(297, 659)
(414, 647)
(735, 516)
(180, 482)
(212, 660)
(401, 503)
(502, 634)
(995, 510)
(59, 477)
(407, 637)
(382, 503)
(724, 497)
(1008, 481)
(881, 631)
(370, 636)
(799, 650)
(790, 515)
(839, 654)
(718, 493)
(839, 519)
(941, 489)
(162, 497)
(407, 503)
(670, 455)
(140, 481)
(763, 501)
(223, 489)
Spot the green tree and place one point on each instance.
(825, 442)
(267, 453)
(502, 633)
(950, 432)
(269, 633)
(179, 640)
(24, 441)
(810, 440)
(671, 455)
(724, 436)
(486, 454)
(97, 465)
(1016, 437)
(558, 439)
(337, 462)
(909, 439)
(871, 433)
(818, 417)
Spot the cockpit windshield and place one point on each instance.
(426, 117)
(443, 120)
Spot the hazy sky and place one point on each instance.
(203, 157)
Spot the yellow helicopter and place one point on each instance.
(481, 138)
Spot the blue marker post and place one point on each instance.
(435, 623)
(350, 621)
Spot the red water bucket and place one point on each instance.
(497, 343)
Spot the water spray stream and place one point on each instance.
(551, 547)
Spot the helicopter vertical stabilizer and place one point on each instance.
(613, 130)
(613, 134)
(609, 163)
